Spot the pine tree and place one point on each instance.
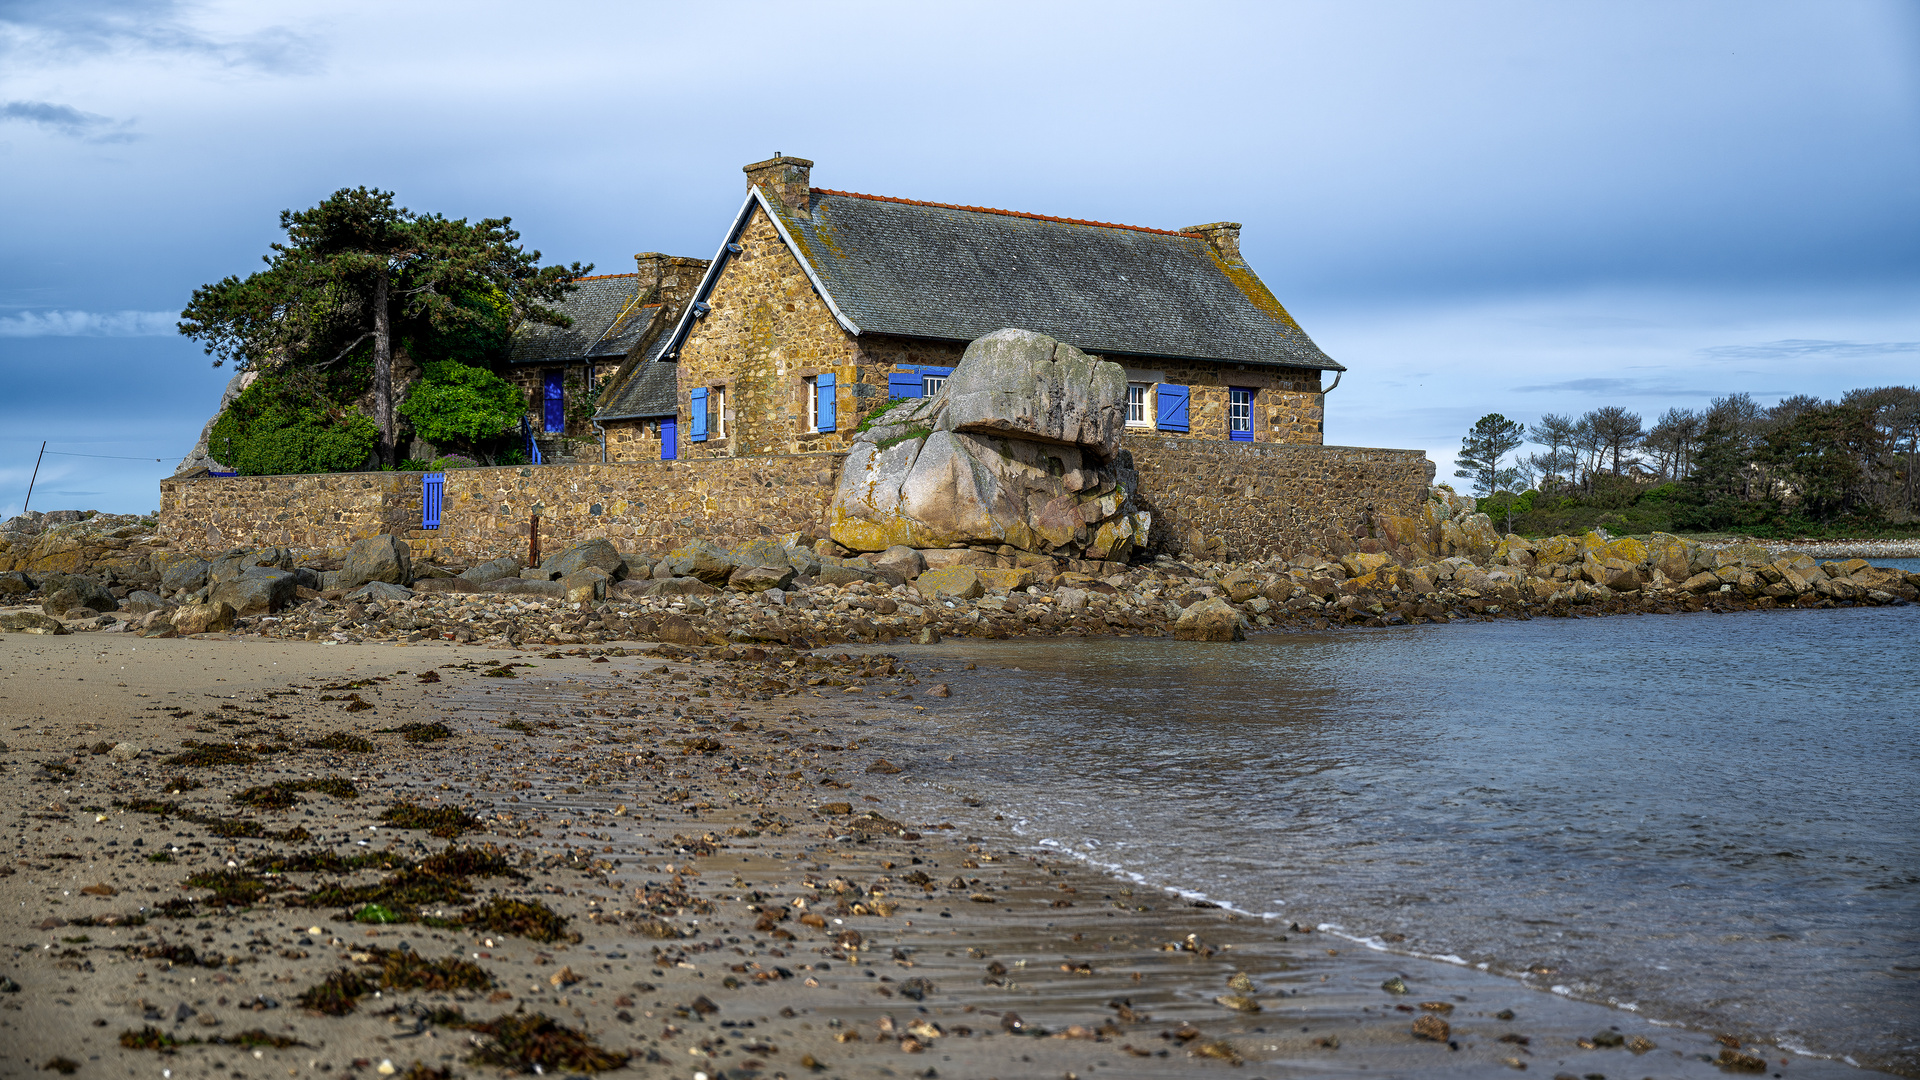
(1492, 438)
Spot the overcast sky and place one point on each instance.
(1512, 207)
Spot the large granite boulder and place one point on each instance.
(188, 574)
(493, 570)
(1029, 386)
(377, 558)
(701, 559)
(1020, 448)
(68, 592)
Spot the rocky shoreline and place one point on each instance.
(110, 575)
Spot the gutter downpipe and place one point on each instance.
(595, 421)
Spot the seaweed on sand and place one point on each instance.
(527, 1042)
(341, 742)
(199, 755)
(281, 795)
(529, 919)
(442, 821)
(338, 993)
(421, 732)
(231, 888)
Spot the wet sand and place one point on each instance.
(731, 919)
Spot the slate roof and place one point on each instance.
(607, 321)
(650, 388)
(930, 270)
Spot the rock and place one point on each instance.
(458, 584)
(1026, 384)
(599, 554)
(15, 583)
(1017, 450)
(140, 601)
(124, 751)
(586, 585)
(1001, 578)
(761, 552)
(65, 592)
(939, 690)
(843, 574)
(1703, 582)
(1358, 563)
(30, 622)
(1071, 601)
(525, 587)
(942, 558)
(1431, 1027)
(884, 767)
(905, 561)
(1241, 586)
(235, 563)
(761, 578)
(539, 573)
(259, 591)
(377, 558)
(676, 630)
(701, 559)
(1670, 555)
(203, 618)
(383, 591)
(1212, 619)
(677, 586)
(958, 583)
(493, 570)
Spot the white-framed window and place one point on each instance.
(931, 385)
(1239, 413)
(810, 391)
(717, 412)
(1139, 405)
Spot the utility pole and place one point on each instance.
(36, 476)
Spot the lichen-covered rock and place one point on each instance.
(1032, 461)
(260, 591)
(493, 570)
(67, 592)
(30, 622)
(1212, 619)
(957, 582)
(1670, 555)
(761, 578)
(186, 574)
(700, 559)
(207, 618)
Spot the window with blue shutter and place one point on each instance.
(554, 400)
(1172, 399)
(669, 439)
(1239, 414)
(697, 428)
(432, 487)
(904, 384)
(823, 385)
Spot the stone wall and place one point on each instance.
(646, 507)
(1244, 501)
(1286, 400)
(1211, 499)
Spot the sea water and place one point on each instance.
(1710, 819)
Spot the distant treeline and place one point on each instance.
(1804, 466)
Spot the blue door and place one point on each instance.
(670, 439)
(556, 400)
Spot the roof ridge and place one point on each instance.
(1003, 213)
(603, 277)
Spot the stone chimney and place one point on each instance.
(1223, 235)
(670, 279)
(784, 178)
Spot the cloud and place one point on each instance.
(89, 324)
(1793, 348)
(1618, 387)
(67, 120)
(42, 29)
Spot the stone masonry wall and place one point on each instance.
(647, 507)
(1212, 499)
(1244, 501)
(1286, 401)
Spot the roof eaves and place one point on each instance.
(1002, 213)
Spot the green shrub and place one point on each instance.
(460, 404)
(452, 461)
(268, 430)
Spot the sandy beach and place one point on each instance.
(649, 859)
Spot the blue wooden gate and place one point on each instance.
(432, 488)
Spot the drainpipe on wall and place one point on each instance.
(603, 438)
(1336, 383)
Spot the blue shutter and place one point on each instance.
(432, 486)
(555, 394)
(698, 431)
(824, 387)
(904, 384)
(669, 439)
(1173, 406)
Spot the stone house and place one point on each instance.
(822, 305)
(566, 371)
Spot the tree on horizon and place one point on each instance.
(1492, 438)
